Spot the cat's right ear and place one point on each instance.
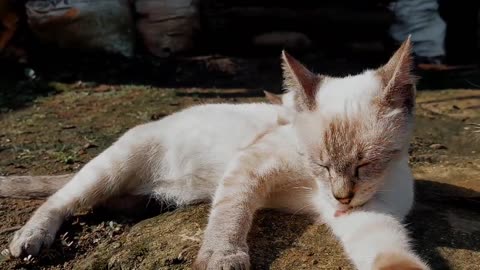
(300, 80)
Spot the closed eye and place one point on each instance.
(323, 166)
(357, 170)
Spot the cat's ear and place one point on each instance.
(301, 81)
(398, 80)
(274, 99)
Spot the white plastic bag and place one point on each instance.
(84, 24)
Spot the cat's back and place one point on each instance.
(224, 111)
(223, 122)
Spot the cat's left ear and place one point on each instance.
(398, 80)
(274, 99)
(300, 80)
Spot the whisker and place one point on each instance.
(303, 187)
(296, 212)
(384, 190)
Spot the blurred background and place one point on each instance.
(233, 43)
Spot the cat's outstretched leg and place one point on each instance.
(242, 191)
(375, 241)
(114, 172)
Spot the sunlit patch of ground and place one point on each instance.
(59, 132)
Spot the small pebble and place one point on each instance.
(157, 116)
(30, 73)
(438, 146)
(6, 253)
(89, 145)
(68, 126)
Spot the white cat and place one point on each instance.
(342, 156)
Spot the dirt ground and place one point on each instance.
(56, 124)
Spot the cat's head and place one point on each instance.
(353, 128)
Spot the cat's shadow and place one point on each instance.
(446, 219)
(272, 234)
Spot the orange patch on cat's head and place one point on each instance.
(357, 152)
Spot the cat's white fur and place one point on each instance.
(242, 158)
(347, 95)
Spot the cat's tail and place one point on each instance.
(30, 187)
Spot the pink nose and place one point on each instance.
(345, 200)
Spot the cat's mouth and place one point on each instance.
(343, 209)
(340, 213)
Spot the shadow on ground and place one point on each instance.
(446, 219)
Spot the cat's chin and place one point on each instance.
(340, 213)
(342, 210)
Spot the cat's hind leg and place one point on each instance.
(121, 169)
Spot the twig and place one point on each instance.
(11, 229)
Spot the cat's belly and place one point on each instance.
(199, 143)
(185, 186)
(182, 192)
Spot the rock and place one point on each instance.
(438, 146)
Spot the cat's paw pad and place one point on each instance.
(222, 259)
(398, 261)
(29, 240)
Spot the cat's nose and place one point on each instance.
(345, 200)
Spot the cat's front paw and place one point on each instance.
(222, 259)
(398, 261)
(30, 239)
